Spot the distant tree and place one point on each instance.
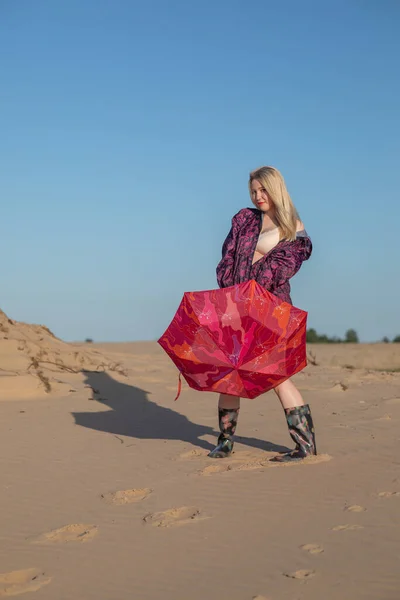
(323, 339)
(312, 336)
(385, 340)
(351, 337)
(396, 340)
(89, 341)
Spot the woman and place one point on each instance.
(268, 244)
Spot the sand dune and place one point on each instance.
(34, 362)
(108, 493)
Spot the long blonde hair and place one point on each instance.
(286, 214)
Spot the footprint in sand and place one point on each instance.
(174, 516)
(346, 527)
(312, 548)
(386, 417)
(355, 508)
(388, 494)
(216, 468)
(192, 454)
(77, 532)
(237, 464)
(310, 460)
(20, 582)
(302, 574)
(392, 401)
(339, 387)
(126, 496)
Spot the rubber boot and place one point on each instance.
(227, 424)
(301, 429)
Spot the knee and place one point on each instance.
(228, 402)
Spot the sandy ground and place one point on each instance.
(107, 492)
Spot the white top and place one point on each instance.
(267, 240)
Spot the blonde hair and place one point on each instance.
(286, 214)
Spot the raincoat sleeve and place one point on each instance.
(225, 268)
(284, 263)
(226, 264)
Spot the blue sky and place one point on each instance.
(128, 130)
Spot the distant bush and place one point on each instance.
(351, 337)
(312, 337)
(88, 341)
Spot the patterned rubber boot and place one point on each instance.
(301, 429)
(227, 424)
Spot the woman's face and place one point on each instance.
(260, 197)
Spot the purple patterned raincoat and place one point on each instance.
(273, 270)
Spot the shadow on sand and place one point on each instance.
(133, 414)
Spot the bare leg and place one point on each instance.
(226, 401)
(289, 395)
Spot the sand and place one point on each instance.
(107, 492)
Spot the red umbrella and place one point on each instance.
(240, 340)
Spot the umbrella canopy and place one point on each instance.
(240, 340)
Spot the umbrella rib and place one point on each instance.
(229, 375)
(244, 366)
(217, 343)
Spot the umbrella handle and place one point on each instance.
(179, 387)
